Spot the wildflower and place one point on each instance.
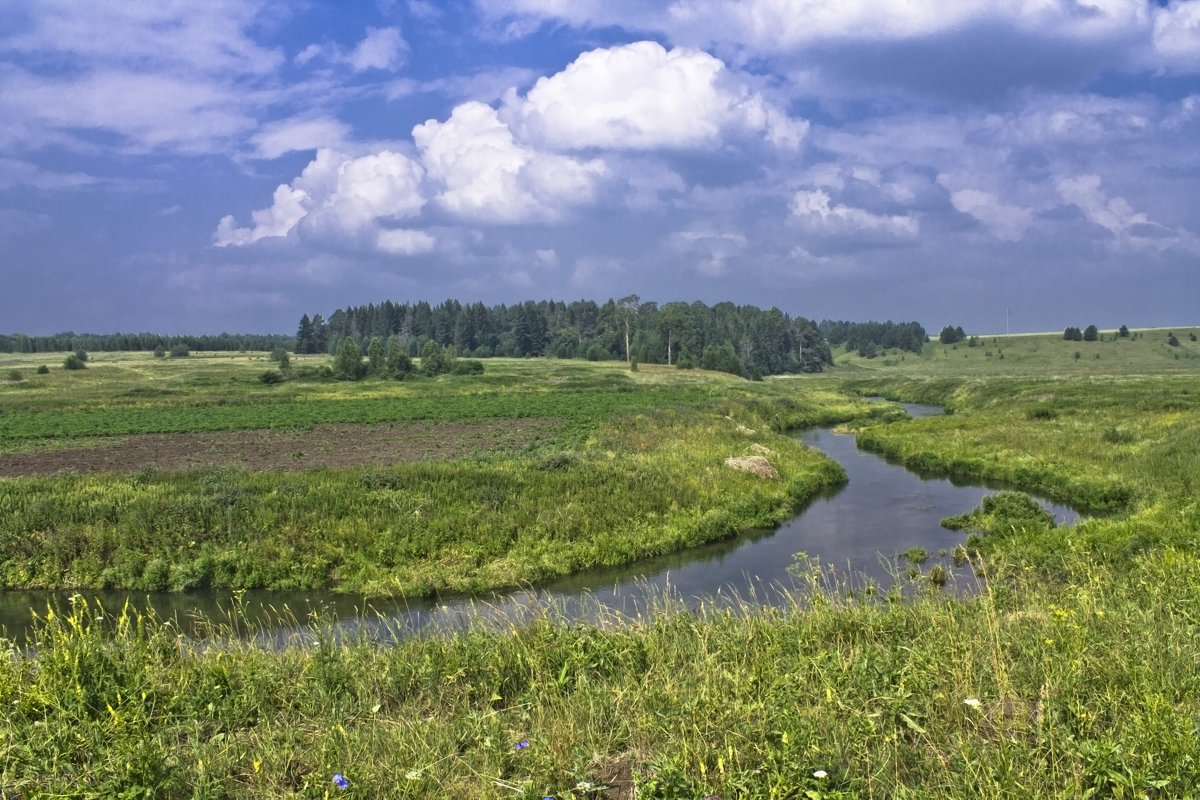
(973, 702)
(339, 780)
(413, 774)
(820, 774)
(521, 745)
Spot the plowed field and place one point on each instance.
(329, 446)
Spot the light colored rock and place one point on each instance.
(755, 465)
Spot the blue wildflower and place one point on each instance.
(339, 780)
(521, 745)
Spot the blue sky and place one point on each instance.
(183, 167)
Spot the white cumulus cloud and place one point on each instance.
(641, 96)
(342, 197)
(486, 174)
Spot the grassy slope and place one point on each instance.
(1081, 654)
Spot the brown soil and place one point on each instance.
(337, 445)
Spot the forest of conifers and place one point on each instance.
(744, 339)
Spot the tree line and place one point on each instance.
(133, 342)
(740, 339)
(744, 340)
(867, 337)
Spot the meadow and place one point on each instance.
(1073, 673)
(616, 466)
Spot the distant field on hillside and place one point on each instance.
(1142, 351)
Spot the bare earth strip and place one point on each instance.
(332, 446)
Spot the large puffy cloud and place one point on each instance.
(641, 96)
(342, 198)
(486, 174)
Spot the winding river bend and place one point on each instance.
(859, 529)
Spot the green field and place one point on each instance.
(631, 467)
(1075, 673)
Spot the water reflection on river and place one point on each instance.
(882, 511)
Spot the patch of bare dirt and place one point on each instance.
(334, 445)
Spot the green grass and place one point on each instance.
(1028, 691)
(1074, 673)
(1143, 351)
(635, 470)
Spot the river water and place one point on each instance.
(855, 531)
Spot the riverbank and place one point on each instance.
(1072, 673)
(553, 468)
(1025, 690)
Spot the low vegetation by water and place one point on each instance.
(585, 466)
(1072, 674)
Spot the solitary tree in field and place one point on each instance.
(1123, 332)
(1090, 334)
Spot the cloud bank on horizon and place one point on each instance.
(233, 164)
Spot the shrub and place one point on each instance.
(43, 370)
(73, 362)
(1172, 341)
(398, 363)
(160, 352)
(180, 350)
(82, 355)
(348, 365)
(468, 367)
(15, 375)
(271, 376)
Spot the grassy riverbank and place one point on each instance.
(1073, 674)
(1026, 691)
(561, 467)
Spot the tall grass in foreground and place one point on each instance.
(1091, 689)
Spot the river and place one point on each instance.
(856, 531)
